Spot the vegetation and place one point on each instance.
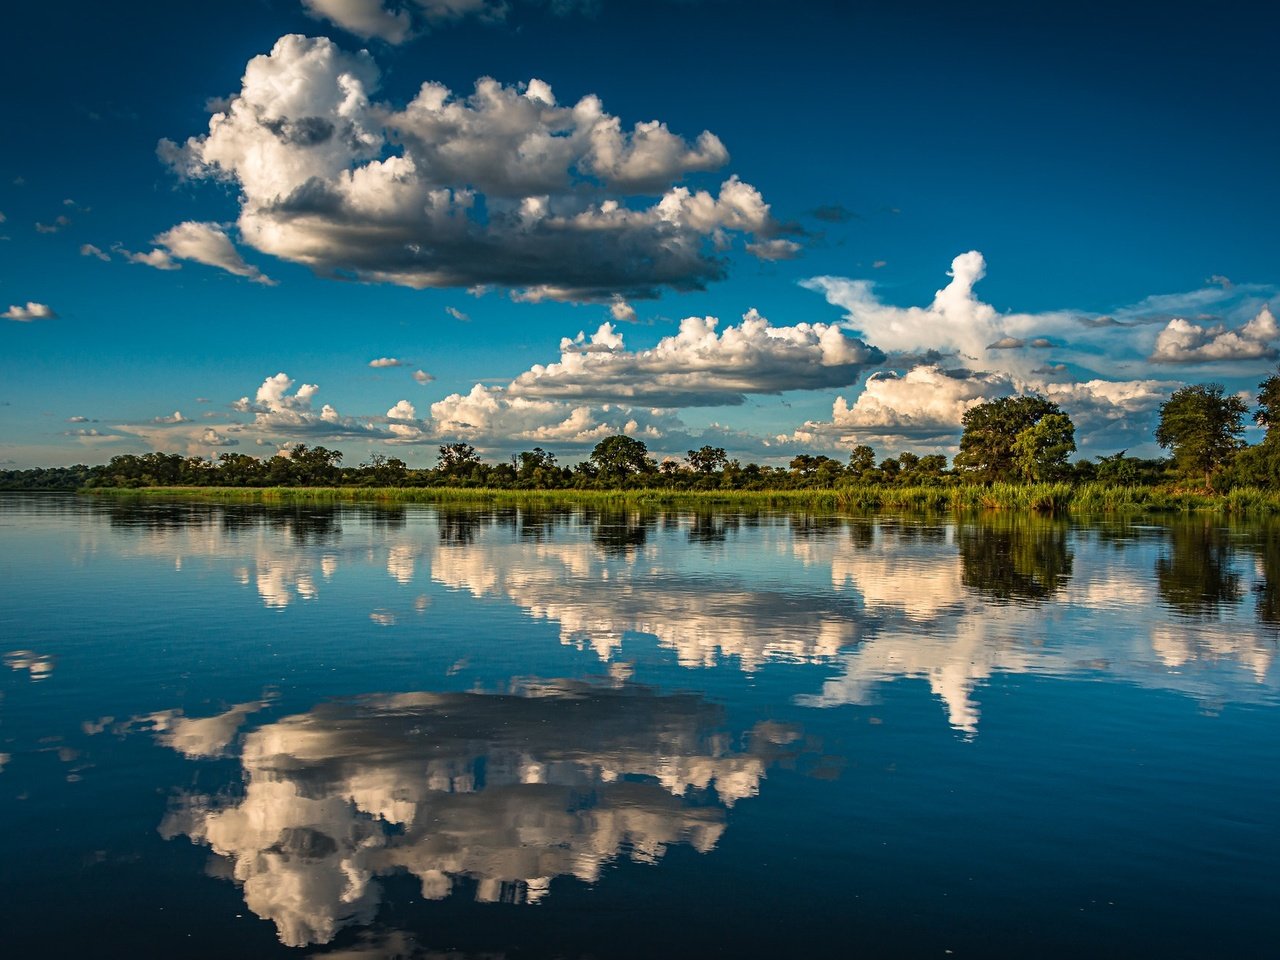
(1013, 455)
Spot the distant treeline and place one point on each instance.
(1022, 439)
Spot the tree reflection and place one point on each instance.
(1195, 577)
(619, 531)
(1008, 557)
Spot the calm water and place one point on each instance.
(370, 732)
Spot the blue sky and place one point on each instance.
(197, 200)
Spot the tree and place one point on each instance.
(990, 431)
(708, 459)
(457, 459)
(1041, 449)
(861, 459)
(1202, 429)
(618, 457)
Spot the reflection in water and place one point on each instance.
(497, 793)
(38, 665)
(1015, 556)
(1196, 576)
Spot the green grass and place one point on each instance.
(1042, 498)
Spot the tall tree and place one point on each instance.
(1202, 428)
(708, 459)
(619, 457)
(991, 430)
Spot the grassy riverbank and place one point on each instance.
(1046, 498)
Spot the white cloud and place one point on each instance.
(457, 314)
(1182, 341)
(403, 410)
(492, 416)
(175, 417)
(621, 311)
(775, 249)
(32, 311)
(422, 377)
(348, 186)
(205, 243)
(386, 362)
(369, 19)
(160, 259)
(698, 366)
(89, 250)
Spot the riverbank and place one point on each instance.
(1044, 498)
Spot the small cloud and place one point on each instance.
(68, 202)
(622, 311)
(1219, 280)
(89, 250)
(3, 218)
(457, 314)
(1182, 341)
(54, 227)
(78, 420)
(403, 410)
(19, 181)
(202, 400)
(386, 362)
(422, 377)
(1041, 343)
(1051, 369)
(879, 264)
(778, 249)
(212, 438)
(833, 213)
(159, 259)
(175, 417)
(32, 311)
(1007, 343)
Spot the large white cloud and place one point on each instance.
(503, 187)
(700, 366)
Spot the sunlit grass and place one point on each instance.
(1044, 498)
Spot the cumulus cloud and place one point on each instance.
(491, 414)
(778, 248)
(621, 311)
(403, 410)
(32, 311)
(89, 250)
(422, 377)
(699, 366)
(278, 412)
(205, 243)
(159, 259)
(386, 362)
(1182, 341)
(503, 187)
(175, 417)
(370, 19)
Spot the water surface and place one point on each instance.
(413, 731)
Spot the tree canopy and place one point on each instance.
(1202, 428)
(994, 447)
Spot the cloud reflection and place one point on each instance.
(497, 794)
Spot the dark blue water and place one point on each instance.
(391, 732)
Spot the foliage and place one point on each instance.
(991, 431)
(1202, 428)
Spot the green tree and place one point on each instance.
(1202, 428)
(708, 459)
(861, 459)
(457, 460)
(991, 430)
(1040, 450)
(618, 457)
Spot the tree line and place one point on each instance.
(1018, 438)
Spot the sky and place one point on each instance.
(779, 228)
